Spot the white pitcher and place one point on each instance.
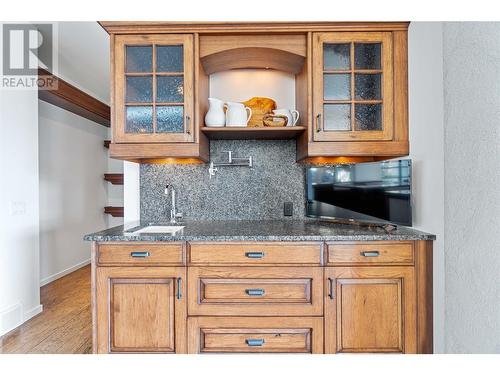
(215, 116)
(292, 115)
(237, 114)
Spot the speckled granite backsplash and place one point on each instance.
(234, 193)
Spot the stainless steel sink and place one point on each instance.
(163, 229)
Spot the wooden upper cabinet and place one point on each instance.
(370, 310)
(353, 86)
(359, 96)
(153, 88)
(140, 310)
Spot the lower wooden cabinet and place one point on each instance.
(370, 297)
(370, 310)
(140, 309)
(255, 335)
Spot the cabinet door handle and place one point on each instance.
(255, 292)
(255, 254)
(318, 122)
(255, 342)
(140, 254)
(179, 288)
(188, 124)
(330, 292)
(370, 253)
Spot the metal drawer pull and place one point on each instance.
(330, 292)
(139, 254)
(179, 288)
(255, 342)
(255, 254)
(255, 292)
(370, 253)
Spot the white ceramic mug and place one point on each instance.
(237, 114)
(292, 115)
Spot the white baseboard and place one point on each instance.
(10, 318)
(58, 275)
(14, 316)
(31, 313)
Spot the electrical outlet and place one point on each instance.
(288, 209)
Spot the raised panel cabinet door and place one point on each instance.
(353, 86)
(140, 310)
(153, 77)
(370, 310)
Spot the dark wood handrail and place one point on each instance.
(73, 99)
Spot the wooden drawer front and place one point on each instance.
(140, 254)
(255, 335)
(255, 253)
(250, 339)
(396, 253)
(255, 291)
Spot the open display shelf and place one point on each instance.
(227, 132)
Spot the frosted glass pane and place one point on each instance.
(337, 87)
(139, 89)
(169, 58)
(368, 86)
(139, 59)
(170, 89)
(170, 119)
(337, 117)
(139, 119)
(368, 116)
(337, 56)
(367, 55)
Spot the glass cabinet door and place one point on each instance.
(153, 88)
(352, 80)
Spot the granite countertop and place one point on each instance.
(262, 230)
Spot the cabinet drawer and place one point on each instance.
(140, 254)
(255, 335)
(254, 253)
(247, 291)
(396, 253)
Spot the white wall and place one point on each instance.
(72, 190)
(131, 192)
(425, 45)
(83, 57)
(243, 84)
(472, 186)
(72, 157)
(19, 249)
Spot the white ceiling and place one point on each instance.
(84, 57)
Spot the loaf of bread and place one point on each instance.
(260, 106)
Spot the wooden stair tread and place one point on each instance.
(114, 211)
(114, 178)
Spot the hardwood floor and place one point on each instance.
(64, 326)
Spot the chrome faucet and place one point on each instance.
(175, 216)
(232, 161)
